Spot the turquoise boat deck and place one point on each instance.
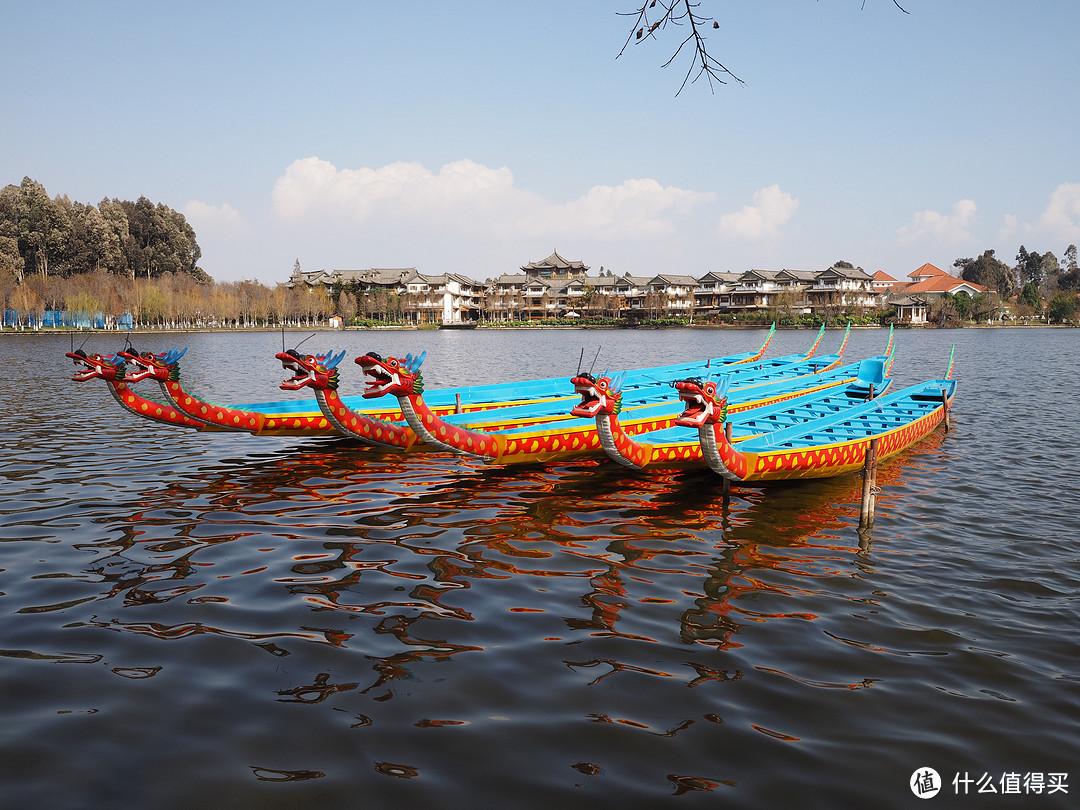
(875, 418)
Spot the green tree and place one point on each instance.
(1070, 278)
(42, 225)
(1063, 307)
(962, 304)
(11, 261)
(1028, 267)
(1030, 296)
(990, 272)
(1050, 272)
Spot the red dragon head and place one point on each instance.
(392, 375)
(163, 366)
(599, 395)
(705, 402)
(316, 370)
(97, 366)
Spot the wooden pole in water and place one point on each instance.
(457, 403)
(727, 481)
(945, 405)
(869, 487)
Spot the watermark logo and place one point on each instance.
(925, 783)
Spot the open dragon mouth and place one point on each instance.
(87, 369)
(143, 369)
(697, 407)
(378, 379)
(302, 375)
(591, 398)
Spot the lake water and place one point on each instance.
(229, 621)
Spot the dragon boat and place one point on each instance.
(381, 428)
(111, 369)
(830, 445)
(568, 437)
(679, 446)
(298, 417)
(311, 370)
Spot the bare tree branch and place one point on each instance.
(894, 2)
(649, 19)
(655, 16)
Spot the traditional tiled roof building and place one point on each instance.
(556, 287)
(555, 266)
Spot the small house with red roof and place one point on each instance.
(883, 282)
(935, 281)
(911, 300)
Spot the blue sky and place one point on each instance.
(474, 137)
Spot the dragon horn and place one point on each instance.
(617, 382)
(413, 363)
(723, 385)
(173, 355)
(333, 360)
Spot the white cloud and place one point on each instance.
(466, 198)
(314, 186)
(1061, 219)
(771, 209)
(202, 214)
(942, 228)
(1009, 226)
(632, 208)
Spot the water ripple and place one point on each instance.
(324, 619)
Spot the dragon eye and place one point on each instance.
(392, 363)
(710, 388)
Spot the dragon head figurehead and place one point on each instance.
(705, 403)
(599, 395)
(319, 371)
(97, 366)
(392, 375)
(162, 366)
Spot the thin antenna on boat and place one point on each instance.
(579, 361)
(598, 348)
(283, 340)
(305, 340)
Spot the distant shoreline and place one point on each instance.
(327, 330)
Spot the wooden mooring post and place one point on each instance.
(457, 403)
(945, 405)
(869, 487)
(727, 481)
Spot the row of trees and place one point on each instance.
(55, 237)
(170, 300)
(142, 258)
(177, 300)
(1035, 277)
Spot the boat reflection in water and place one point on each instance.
(417, 553)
